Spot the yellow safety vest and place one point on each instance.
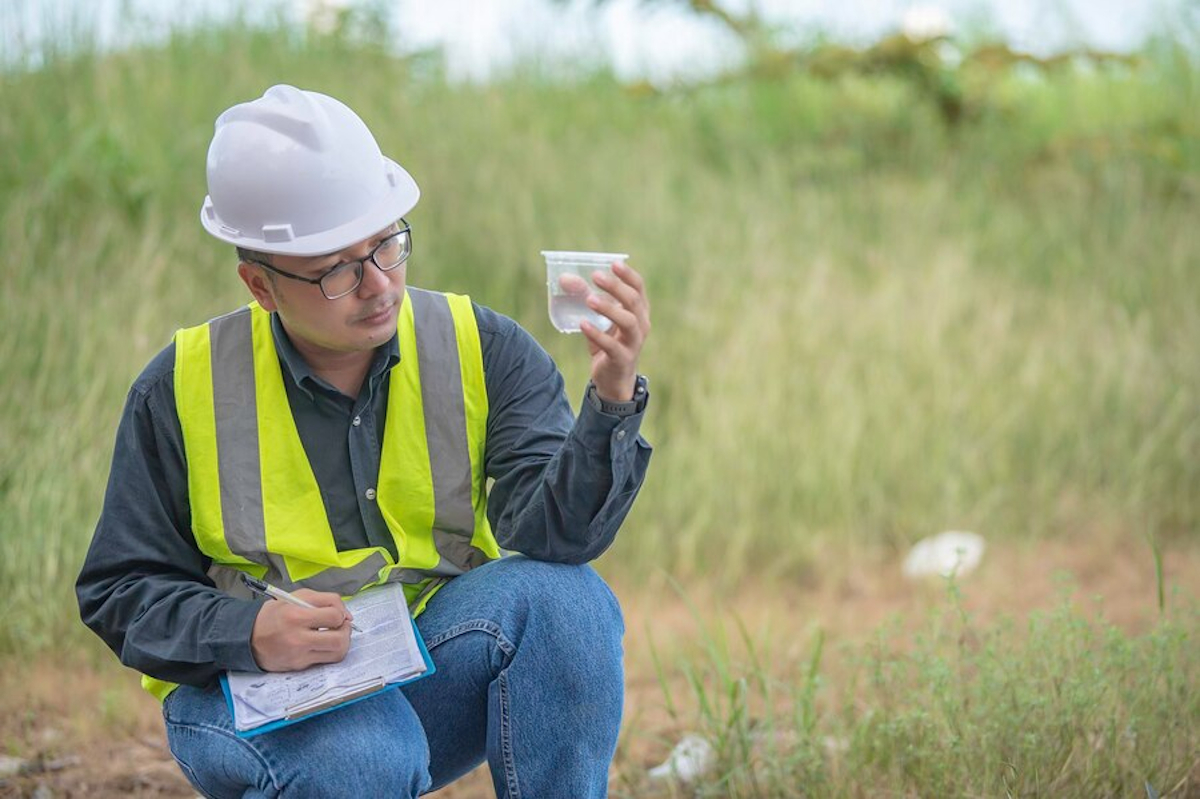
(256, 506)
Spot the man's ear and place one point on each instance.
(259, 284)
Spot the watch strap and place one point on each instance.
(628, 408)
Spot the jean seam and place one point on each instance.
(190, 774)
(506, 746)
(476, 625)
(266, 764)
(505, 646)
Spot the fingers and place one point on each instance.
(321, 599)
(601, 342)
(615, 352)
(328, 646)
(573, 285)
(626, 306)
(628, 288)
(618, 370)
(286, 637)
(625, 319)
(630, 275)
(330, 610)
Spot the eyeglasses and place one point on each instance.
(345, 278)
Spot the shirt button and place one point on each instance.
(620, 435)
(370, 493)
(357, 421)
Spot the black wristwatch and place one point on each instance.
(641, 393)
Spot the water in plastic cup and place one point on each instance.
(569, 283)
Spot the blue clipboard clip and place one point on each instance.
(297, 712)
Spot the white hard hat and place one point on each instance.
(298, 173)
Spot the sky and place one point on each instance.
(640, 39)
(646, 39)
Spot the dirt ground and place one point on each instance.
(78, 726)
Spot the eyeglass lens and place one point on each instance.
(390, 253)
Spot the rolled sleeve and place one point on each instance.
(563, 484)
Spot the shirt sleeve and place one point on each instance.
(144, 587)
(562, 484)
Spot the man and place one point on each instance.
(339, 432)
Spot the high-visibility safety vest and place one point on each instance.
(256, 506)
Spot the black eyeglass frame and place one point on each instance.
(358, 265)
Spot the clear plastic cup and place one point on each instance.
(569, 284)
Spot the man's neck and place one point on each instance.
(345, 371)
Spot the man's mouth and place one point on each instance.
(376, 314)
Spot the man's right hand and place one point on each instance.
(287, 637)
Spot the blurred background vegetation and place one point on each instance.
(897, 289)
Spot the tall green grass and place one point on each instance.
(865, 326)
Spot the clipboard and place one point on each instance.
(344, 696)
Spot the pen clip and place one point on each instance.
(255, 585)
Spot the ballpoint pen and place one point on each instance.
(263, 588)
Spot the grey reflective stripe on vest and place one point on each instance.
(338, 581)
(343, 581)
(235, 407)
(445, 434)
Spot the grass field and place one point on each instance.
(868, 327)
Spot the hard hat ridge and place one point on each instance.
(288, 111)
(299, 173)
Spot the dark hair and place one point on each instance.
(245, 255)
(252, 255)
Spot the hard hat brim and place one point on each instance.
(401, 198)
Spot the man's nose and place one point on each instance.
(374, 279)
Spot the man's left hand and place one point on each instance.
(615, 352)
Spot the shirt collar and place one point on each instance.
(385, 357)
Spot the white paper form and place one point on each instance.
(386, 651)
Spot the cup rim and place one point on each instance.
(584, 256)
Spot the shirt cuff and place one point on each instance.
(601, 432)
(230, 636)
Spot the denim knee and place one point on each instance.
(384, 745)
(571, 605)
(576, 593)
(383, 770)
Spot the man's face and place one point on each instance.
(359, 321)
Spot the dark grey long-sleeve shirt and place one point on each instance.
(562, 486)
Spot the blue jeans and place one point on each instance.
(529, 676)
